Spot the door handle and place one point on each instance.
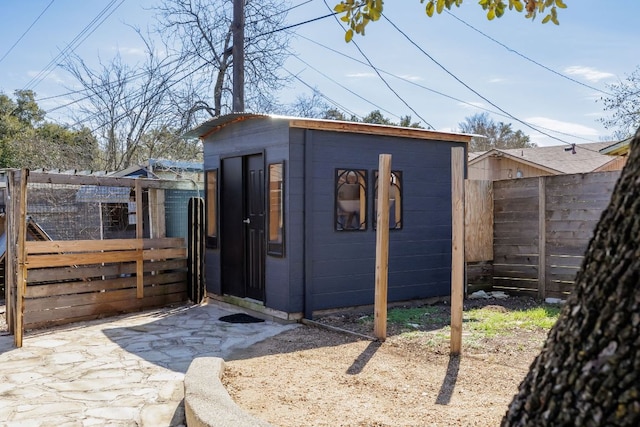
(247, 221)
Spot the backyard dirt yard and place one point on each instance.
(310, 376)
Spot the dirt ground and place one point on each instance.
(311, 376)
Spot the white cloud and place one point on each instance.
(543, 140)
(496, 80)
(472, 105)
(411, 78)
(566, 127)
(588, 73)
(362, 75)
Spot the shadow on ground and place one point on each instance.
(174, 337)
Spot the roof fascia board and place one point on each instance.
(375, 129)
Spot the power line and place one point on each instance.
(456, 78)
(345, 87)
(292, 7)
(288, 27)
(382, 78)
(526, 57)
(331, 101)
(141, 74)
(169, 86)
(75, 43)
(26, 31)
(431, 89)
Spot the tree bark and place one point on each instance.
(588, 372)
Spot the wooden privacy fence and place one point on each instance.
(542, 227)
(68, 281)
(125, 263)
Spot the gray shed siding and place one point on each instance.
(323, 268)
(254, 136)
(340, 267)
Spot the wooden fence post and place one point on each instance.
(21, 271)
(457, 247)
(542, 238)
(382, 248)
(195, 250)
(10, 256)
(139, 237)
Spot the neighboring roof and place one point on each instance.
(474, 154)
(146, 168)
(217, 123)
(555, 159)
(619, 148)
(176, 164)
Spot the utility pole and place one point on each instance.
(238, 56)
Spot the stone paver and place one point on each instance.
(122, 371)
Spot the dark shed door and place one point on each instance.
(242, 226)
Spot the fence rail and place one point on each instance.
(80, 280)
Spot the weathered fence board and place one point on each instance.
(478, 221)
(108, 289)
(567, 209)
(64, 274)
(516, 208)
(88, 312)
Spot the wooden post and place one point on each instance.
(237, 52)
(382, 248)
(195, 250)
(139, 237)
(10, 256)
(157, 223)
(457, 247)
(21, 273)
(542, 238)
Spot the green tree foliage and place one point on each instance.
(52, 146)
(357, 14)
(496, 135)
(315, 107)
(167, 143)
(624, 104)
(335, 114)
(27, 140)
(376, 117)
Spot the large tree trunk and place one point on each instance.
(588, 373)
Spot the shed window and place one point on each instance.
(211, 182)
(275, 243)
(351, 199)
(395, 200)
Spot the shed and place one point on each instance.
(290, 212)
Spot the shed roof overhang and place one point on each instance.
(215, 124)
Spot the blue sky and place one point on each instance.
(441, 69)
